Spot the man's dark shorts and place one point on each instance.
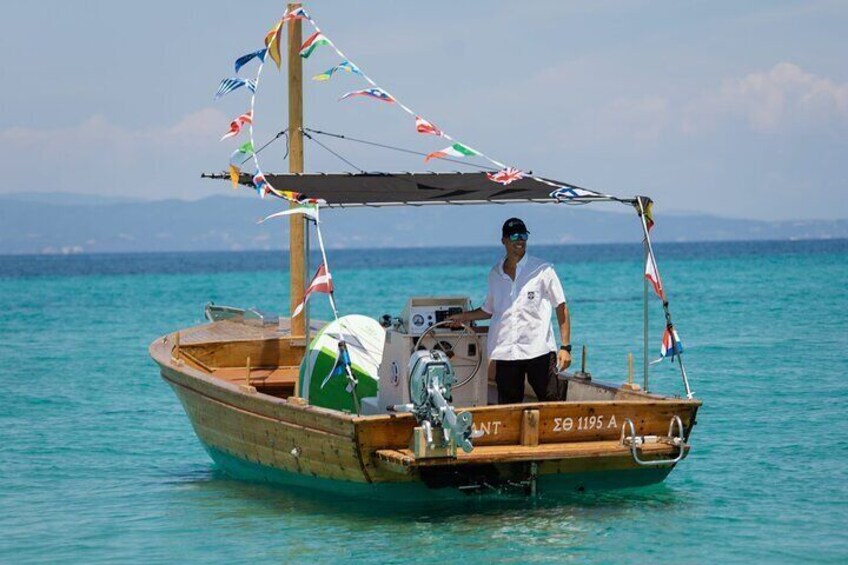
(541, 373)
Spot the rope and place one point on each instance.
(393, 148)
(272, 140)
(310, 138)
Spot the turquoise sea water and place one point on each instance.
(98, 463)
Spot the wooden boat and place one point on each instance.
(240, 379)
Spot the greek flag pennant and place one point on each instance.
(567, 193)
(229, 84)
(245, 59)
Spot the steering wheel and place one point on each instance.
(464, 366)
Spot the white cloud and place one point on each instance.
(98, 136)
(782, 98)
(99, 157)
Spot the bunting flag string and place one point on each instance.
(235, 172)
(376, 93)
(236, 125)
(671, 345)
(506, 176)
(653, 276)
(455, 150)
(245, 59)
(346, 66)
(569, 192)
(272, 43)
(321, 282)
(426, 127)
(229, 84)
(308, 210)
(312, 43)
(296, 14)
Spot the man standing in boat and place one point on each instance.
(523, 292)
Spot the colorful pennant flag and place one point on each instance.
(567, 193)
(240, 155)
(648, 207)
(289, 195)
(346, 66)
(506, 176)
(236, 125)
(272, 43)
(245, 59)
(321, 282)
(376, 93)
(455, 150)
(312, 43)
(423, 126)
(261, 185)
(234, 175)
(296, 14)
(229, 84)
(671, 345)
(653, 275)
(307, 210)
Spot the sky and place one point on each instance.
(736, 109)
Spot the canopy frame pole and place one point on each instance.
(666, 311)
(297, 238)
(645, 315)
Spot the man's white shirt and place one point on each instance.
(521, 309)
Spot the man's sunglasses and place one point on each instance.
(519, 236)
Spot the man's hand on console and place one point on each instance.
(457, 320)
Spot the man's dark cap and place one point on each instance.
(513, 225)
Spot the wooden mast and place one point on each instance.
(296, 222)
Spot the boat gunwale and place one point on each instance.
(161, 355)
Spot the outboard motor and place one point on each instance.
(430, 380)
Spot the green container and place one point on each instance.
(365, 339)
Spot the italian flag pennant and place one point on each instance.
(314, 41)
(455, 150)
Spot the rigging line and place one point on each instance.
(395, 148)
(272, 140)
(309, 137)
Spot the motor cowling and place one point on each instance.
(430, 380)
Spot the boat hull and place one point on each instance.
(257, 437)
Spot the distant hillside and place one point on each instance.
(81, 224)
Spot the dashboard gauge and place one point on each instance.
(418, 320)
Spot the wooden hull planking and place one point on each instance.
(255, 436)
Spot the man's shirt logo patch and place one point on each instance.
(531, 295)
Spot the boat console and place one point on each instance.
(423, 326)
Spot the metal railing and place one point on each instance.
(634, 441)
